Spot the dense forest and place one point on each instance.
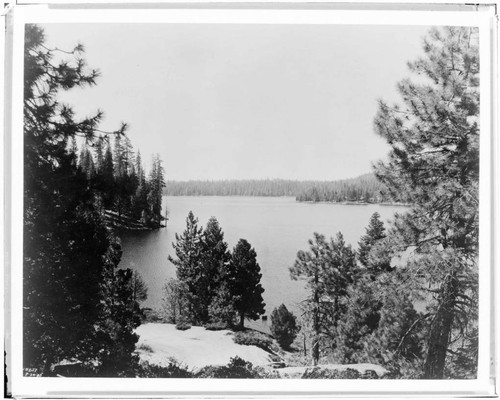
(365, 188)
(81, 183)
(116, 176)
(79, 307)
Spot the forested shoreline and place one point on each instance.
(124, 195)
(362, 189)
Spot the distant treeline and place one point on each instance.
(365, 188)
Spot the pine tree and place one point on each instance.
(328, 269)
(99, 152)
(434, 164)
(374, 233)
(284, 326)
(108, 179)
(156, 185)
(188, 251)
(243, 280)
(215, 260)
(70, 257)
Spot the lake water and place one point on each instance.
(277, 227)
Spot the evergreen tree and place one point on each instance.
(99, 151)
(108, 179)
(434, 164)
(284, 326)
(243, 280)
(70, 257)
(375, 231)
(139, 288)
(188, 250)
(215, 258)
(156, 185)
(328, 269)
(119, 158)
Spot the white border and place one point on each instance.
(102, 387)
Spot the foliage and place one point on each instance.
(175, 301)
(77, 305)
(374, 232)
(150, 315)
(434, 164)
(328, 269)
(349, 373)
(284, 326)
(183, 326)
(237, 369)
(253, 338)
(188, 249)
(138, 287)
(364, 188)
(216, 326)
(221, 310)
(243, 279)
(211, 292)
(145, 347)
(172, 370)
(219, 285)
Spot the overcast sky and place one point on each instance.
(245, 101)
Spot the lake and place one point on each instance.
(277, 227)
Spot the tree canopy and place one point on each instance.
(434, 163)
(77, 304)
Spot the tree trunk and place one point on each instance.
(242, 320)
(316, 324)
(440, 332)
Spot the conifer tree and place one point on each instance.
(70, 257)
(434, 165)
(375, 231)
(215, 259)
(328, 269)
(99, 152)
(284, 326)
(188, 248)
(244, 285)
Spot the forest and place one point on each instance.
(78, 304)
(81, 185)
(365, 188)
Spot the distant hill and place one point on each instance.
(364, 188)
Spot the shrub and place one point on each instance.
(149, 315)
(349, 373)
(253, 338)
(172, 370)
(284, 326)
(216, 326)
(237, 369)
(183, 326)
(145, 347)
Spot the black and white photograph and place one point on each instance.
(266, 201)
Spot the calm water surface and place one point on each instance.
(277, 227)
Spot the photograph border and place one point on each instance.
(20, 15)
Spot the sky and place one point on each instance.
(222, 101)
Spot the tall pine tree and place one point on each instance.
(328, 269)
(244, 282)
(70, 256)
(434, 164)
